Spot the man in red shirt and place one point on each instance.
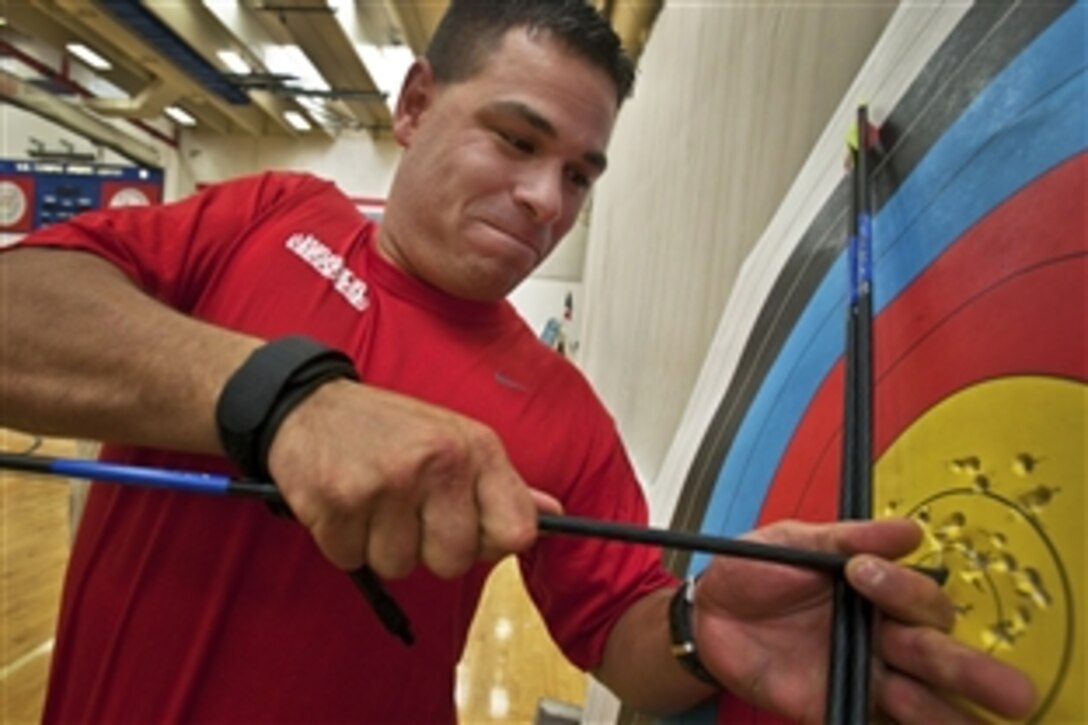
(171, 333)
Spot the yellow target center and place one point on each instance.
(995, 474)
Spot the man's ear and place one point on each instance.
(415, 98)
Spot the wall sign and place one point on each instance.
(35, 194)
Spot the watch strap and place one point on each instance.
(257, 397)
(682, 632)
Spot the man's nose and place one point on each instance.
(540, 192)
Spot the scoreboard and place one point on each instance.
(35, 194)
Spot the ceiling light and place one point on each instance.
(88, 56)
(297, 120)
(387, 65)
(290, 60)
(180, 115)
(234, 62)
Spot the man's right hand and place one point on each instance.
(386, 481)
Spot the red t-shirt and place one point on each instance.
(183, 607)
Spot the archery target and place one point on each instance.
(980, 360)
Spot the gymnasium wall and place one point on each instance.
(729, 101)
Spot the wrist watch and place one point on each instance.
(257, 397)
(682, 633)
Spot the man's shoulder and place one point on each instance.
(277, 182)
(272, 194)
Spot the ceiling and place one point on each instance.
(308, 66)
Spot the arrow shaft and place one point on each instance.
(220, 485)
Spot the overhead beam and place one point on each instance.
(418, 19)
(207, 35)
(148, 103)
(22, 94)
(69, 86)
(312, 24)
(42, 27)
(632, 21)
(245, 118)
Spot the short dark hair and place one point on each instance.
(472, 29)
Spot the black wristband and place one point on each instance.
(681, 634)
(274, 379)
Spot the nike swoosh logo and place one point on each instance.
(508, 382)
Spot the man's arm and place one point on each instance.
(85, 354)
(658, 684)
(378, 478)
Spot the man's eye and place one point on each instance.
(579, 179)
(517, 142)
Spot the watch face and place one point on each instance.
(12, 203)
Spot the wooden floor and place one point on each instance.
(509, 666)
(510, 662)
(34, 539)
